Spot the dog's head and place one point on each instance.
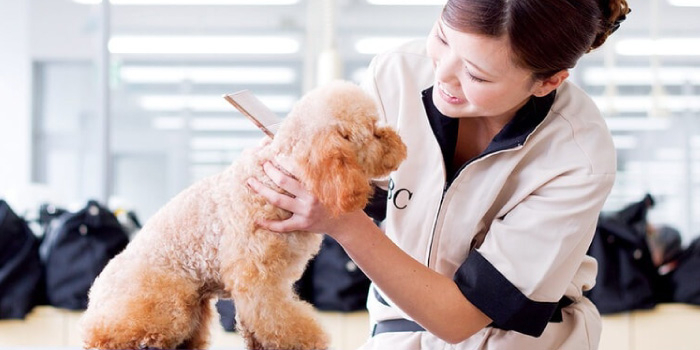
(338, 145)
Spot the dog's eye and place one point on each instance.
(344, 134)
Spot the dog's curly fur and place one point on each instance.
(205, 244)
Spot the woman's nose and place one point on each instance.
(446, 67)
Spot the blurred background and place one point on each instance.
(121, 102)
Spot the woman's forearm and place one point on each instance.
(431, 299)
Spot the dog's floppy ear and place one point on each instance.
(334, 175)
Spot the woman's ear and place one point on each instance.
(334, 176)
(544, 87)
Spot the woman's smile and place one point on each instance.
(448, 97)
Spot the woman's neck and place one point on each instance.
(473, 137)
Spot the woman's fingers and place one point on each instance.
(286, 163)
(283, 179)
(273, 197)
(294, 223)
(308, 213)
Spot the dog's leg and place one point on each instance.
(156, 314)
(199, 339)
(279, 322)
(250, 342)
(269, 311)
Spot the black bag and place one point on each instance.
(20, 267)
(227, 314)
(627, 277)
(48, 213)
(75, 249)
(333, 282)
(686, 276)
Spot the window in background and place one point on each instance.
(171, 65)
(65, 130)
(176, 111)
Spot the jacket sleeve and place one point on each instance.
(529, 256)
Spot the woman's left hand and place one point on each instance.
(308, 213)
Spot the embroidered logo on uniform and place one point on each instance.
(400, 197)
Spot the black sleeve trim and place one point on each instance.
(376, 207)
(485, 287)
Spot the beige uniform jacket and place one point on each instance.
(510, 227)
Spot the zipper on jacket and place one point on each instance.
(448, 185)
(445, 187)
(437, 218)
(510, 143)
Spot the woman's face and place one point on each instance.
(475, 75)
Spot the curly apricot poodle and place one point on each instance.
(204, 243)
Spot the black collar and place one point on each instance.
(513, 134)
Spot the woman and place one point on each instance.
(489, 219)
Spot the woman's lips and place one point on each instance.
(449, 98)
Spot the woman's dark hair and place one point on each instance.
(546, 36)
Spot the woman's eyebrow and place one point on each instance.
(483, 71)
(477, 67)
(442, 32)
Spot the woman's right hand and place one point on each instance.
(308, 213)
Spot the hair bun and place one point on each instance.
(616, 24)
(613, 13)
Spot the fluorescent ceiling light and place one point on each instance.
(191, 2)
(203, 45)
(625, 141)
(224, 143)
(233, 124)
(406, 2)
(642, 104)
(213, 157)
(685, 3)
(207, 75)
(374, 45)
(669, 153)
(168, 123)
(207, 103)
(637, 124)
(222, 124)
(641, 76)
(655, 167)
(659, 47)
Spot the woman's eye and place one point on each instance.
(441, 39)
(475, 79)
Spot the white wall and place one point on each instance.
(33, 31)
(15, 101)
(62, 30)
